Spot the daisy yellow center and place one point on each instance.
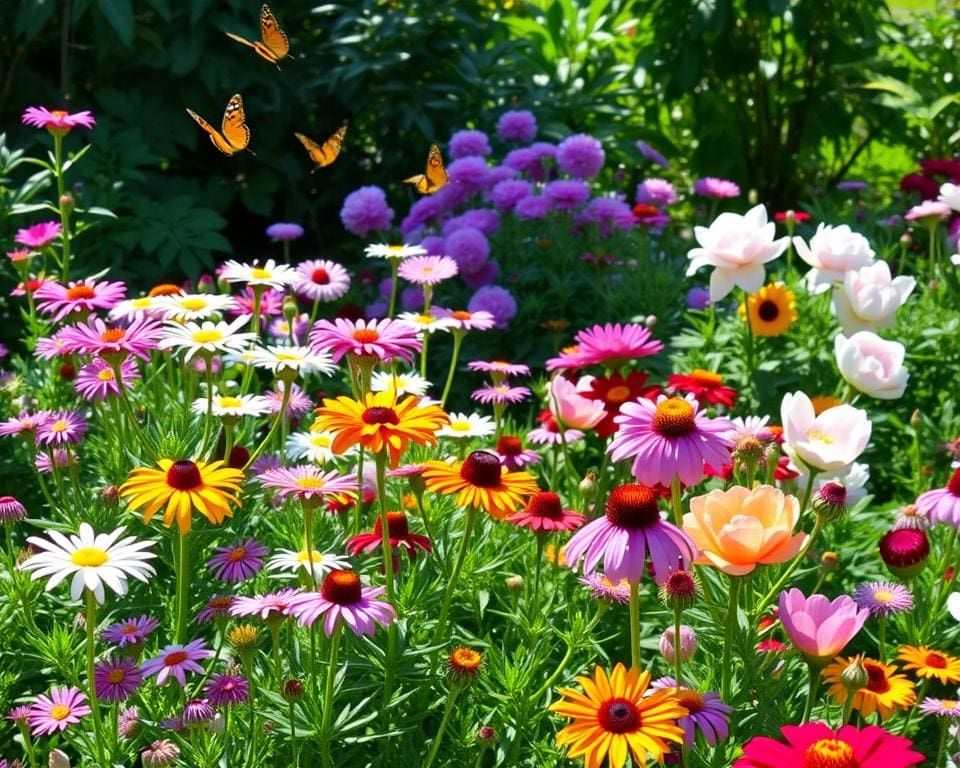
(260, 274)
(59, 426)
(876, 678)
(820, 436)
(706, 378)
(80, 292)
(207, 336)
(830, 753)
(237, 554)
(461, 315)
(949, 704)
(935, 661)
(426, 270)
(116, 676)
(618, 394)
(286, 356)
(460, 426)
(230, 402)
(313, 557)
(194, 303)
(89, 557)
(883, 596)
(365, 335)
(425, 319)
(105, 375)
(58, 113)
(674, 417)
(310, 483)
(175, 657)
(60, 712)
(396, 248)
(320, 441)
(142, 303)
(619, 715)
(112, 335)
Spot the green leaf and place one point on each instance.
(97, 211)
(32, 16)
(119, 14)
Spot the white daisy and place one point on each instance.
(286, 560)
(193, 306)
(92, 559)
(270, 274)
(134, 308)
(403, 383)
(301, 360)
(464, 426)
(426, 322)
(399, 252)
(209, 337)
(229, 405)
(312, 446)
(240, 357)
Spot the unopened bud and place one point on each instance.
(292, 690)
(67, 203)
(486, 735)
(830, 502)
(290, 308)
(688, 643)
(911, 517)
(854, 676)
(905, 552)
(588, 486)
(790, 218)
(905, 240)
(515, 583)
(650, 321)
(679, 589)
(109, 494)
(748, 450)
(58, 759)
(829, 561)
(916, 420)
(67, 372)
(771, 458)
(205, 284)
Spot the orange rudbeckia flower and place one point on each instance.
(481, 482)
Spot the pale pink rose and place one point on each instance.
(869, 297)
(832, 252)
(817, 627)
(872, 365)
(827, 442)
(571, 408)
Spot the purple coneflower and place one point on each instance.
(129, 632)
(11, 510)
(239, 561)
(297, 406)
(942, 505)
(601, 588)
(217, 607)
(512, 453)
(176, 660)
(226, 690)
(57, 120)
(343, 598)
(82, 296)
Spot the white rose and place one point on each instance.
(872, 365)
(833, 251)
(869, 297)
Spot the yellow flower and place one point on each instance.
(772, 310)
(208, 487)
(927, 663)
(612, 716)
(481, 482)
(885, 691)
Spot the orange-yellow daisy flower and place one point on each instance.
(380, 422)
(208, 487)
(927, 663)
(885, 691)
(481, 482)
(612, 716)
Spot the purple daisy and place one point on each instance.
(217, 608)
(197, 712)
(271, 606)
(284, 231)
(601, 588)
(342, 598)
(715, 188)
(82, 296)
(883, 598)
(227, 690)
(19, 714)
(297, 406)
(11, 510)
(115, 680)
(631, 527)
(97, 380)
(708, 714)
(24, 424)
(176, 660)
(129, 632)
(501, 367)
(427, 270)
(61, 428)
(57, 120)
(306, 481)
(60, 458)
(942, 505)
(239, 561)
(499, 394)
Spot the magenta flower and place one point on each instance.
(239, 561)
(670, 438)
(217, 608)
(39, 235)
(819, 628)
(382, 339)
(614, 344)
(305, 482)
(57, 119)
(116, 679)
(427, 270)
(297, 405)
(631, 528)
(226, 690)
(129, 632)
(82, 296)
(942, 505)
(343, 599)
(95, 337)
(196, 712)
(500, 394)
(97, 380)
(321, 280)
(62, 708)
(513, 455)
(276, 604)
(11, 510)
(715, 188)
(544, 512)
(61, 428)
(271, 303)
(61, 459)
(176, 660)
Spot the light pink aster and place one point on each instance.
(57, 119)
(630, 529)
(306, 481)
(53, 713)
(80, 296)
(480, 320)
(668, 438)
(176, 660)
(39, 235)
(942, 505)
(61, 460)
(499, 394)
(266, 606)
(297, 405)
(97, 379)
(427, 270)
(569, 359)
(614, 344)
(271, 303)
(95, 337)
(342, 598)
(24, 424)
(499, 366)
(50, 347)
(383, 339)
(61, 428)
(321, 280)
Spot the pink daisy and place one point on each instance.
(266, 606)
(306, 481)
(271, 303)
(297, 406)
(343, 598)
(671, 437)
(61, 460)
(95, 337)
(239, 561)
(129, 632)
(39, 235)
(545, 512)
(382, 339)
(512, 453)
(50, 347)
(601, 588)
(97, 380)
(398, 533)
(30, 286)
(11, 510)
(480, 320)
(227, 690)
(549, 432)
(631, 528)
(24, 424)
(499, 366)
(57, 119)
(81, 296)
(569, 359)
(61, 428)
(614, 344)
(427, 270)
(321, 280)
(942, 505)
(217, 608)
(116, 679)
(63, 707)
(498, 394)
(176, 660)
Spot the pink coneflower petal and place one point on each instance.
(382, 339)
(427, 270)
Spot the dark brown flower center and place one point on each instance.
(768, 311)
(680, 584)
(508, 445)
(341, 587)
(545, 504)
(633, 506)
(674, 417)
(184, 476)
(481, 469)
(876, 678)
(397, 526)
(619, 716)
(380, 415)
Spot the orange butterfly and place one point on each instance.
(236, 134)
(326, 153)
(273, 44)
(434, 177)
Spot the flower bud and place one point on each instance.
(688, 643)
(910, 517)
(905, 552)
(486, 735)
(463, 665)
(205, 284)
(771, 458)
(239, 456)
(748, 450)
(829, 561)
(58, 759)
(515, 583)
(650, 321)
(292, 690)
(67, 372)
(790, 219)
(830, 502)
(160, 753)
(854, 676)
(290, 308)
(679, 589)
(905, 240)
(588, 486)
(67, 203)
(916, 419)
(109, 494)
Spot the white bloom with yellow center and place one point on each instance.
(209, 337)
(234, 405)
(401, 383)
(314, 446)
(426, 322)
(92, 559)
(288, 561)
(133, 308)
(399, 252)
(465, 426)
(193, 306)
(269, 274)
(301, 360)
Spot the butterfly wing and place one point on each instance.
(324, 154)
(272, 37)
(218, 141)
(234, 126)
(435, 176)
(419, 182)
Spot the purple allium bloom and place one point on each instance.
(11, 510)
(227, 690)
(284, 230)
(506, 194)
(883, 598)
(716, 188)
(517, 125)
(484, 219)
(365, 210)
(129, 632)
(197, 712)
(176, 660)
(852, 186)
(651, 154)
(433, 245)
(532, 207)
(498, 173)
(698, 298)
(498, 301)
(536, 161)
(580, 155)
(567, 193)
(658, 192)
(452, 196)
(468, 247)
(708, 714)
(607, 213)
(465, 143)
(486, 275)
(239, 561)
(422, 212)
(61, 428)
(115, 680)
(469, 173)
(411, 299)
(217, 608)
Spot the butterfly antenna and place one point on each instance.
(251, 151)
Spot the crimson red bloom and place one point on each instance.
(398, 530)
(942, 166)
(544, 512)
(926, 187)
(706, 386)
(614, 391)
(798, 216)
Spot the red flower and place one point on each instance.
(927, 188)
(798, 216)
(783, 471)
(942, 166)
(544, 512)
(706, 386)
(399, 533)
(614, 391)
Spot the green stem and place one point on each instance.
(726, 673)
(182, 561)
(64, 213)
(921, 695)
(281, 415)
(328, 696)
(675, 497)
(293, 735)
(677, 660)
(881, 638)
(941, 747)
(541, 539)
(208, 372)
(451, 585)
(635, 625)
(811, 692)
(381, 462)
(91, 621)
(775, 589)
(423, 355)
(394, 265)
(943, 588)
(751, 360)
(434, 748)
(457, 341)
(601, 609)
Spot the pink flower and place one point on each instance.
(931, 210)
(321, 280)
(57, 120)
(112, 342)
(63, 707)
(466, 320)
(97, 380)
(499, 367)
(427, 270)
(817, 627)
(60, 428)
(614, 344)
(342, 598)
(570, 408)
(81, 296)
(305, 482)
(276, 604)
(544, 512)
(382, 339)
(39, 235)
(500, 394)
(176, 661)
(942, 505)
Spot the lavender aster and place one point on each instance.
(883, 598)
